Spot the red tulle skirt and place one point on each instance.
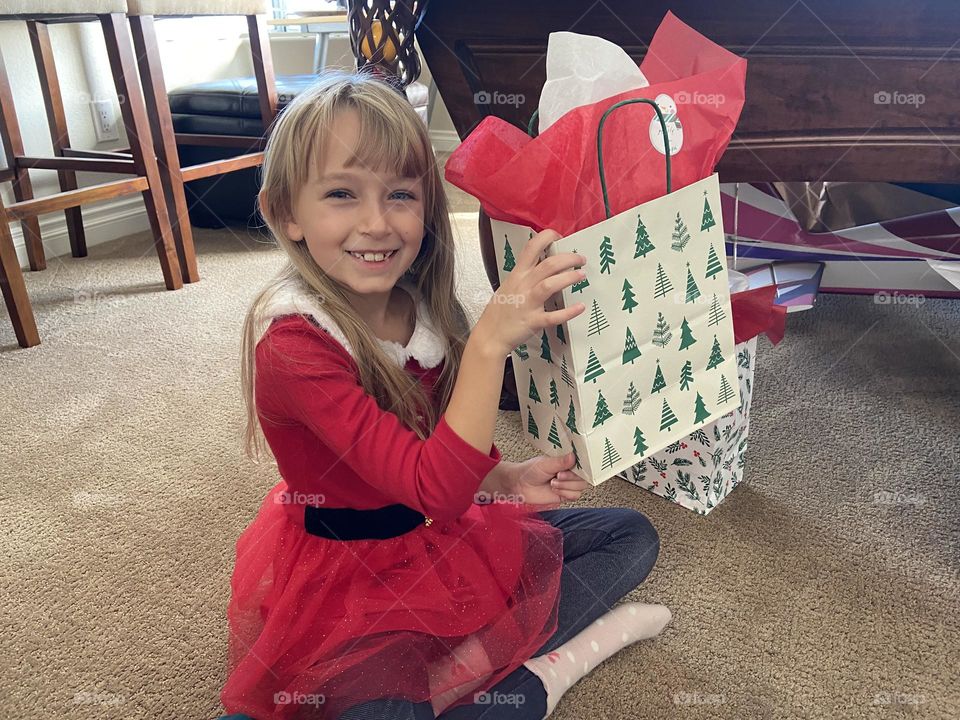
(437, 614)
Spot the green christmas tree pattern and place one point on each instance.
(509, 262)
(598, 321)
(576, 457)
(560, 335)
(606, 255)
(564, 372)
(708, 221)
(629, 300)
(661, 333)
(553, 436)
(716, 355)
(630, 350)
(686, 336)
(610, 455)
(716, 314)
(643, 245)
(686, 375)
(693, 292)
(533, 392)
(572, 418)
(632, 400)
(658, 382)
(662, 284)
(532, 425)
(726, 392)
(713, 262)
(639, 442)
(580, 285)
(521, 351)
(554, 397)
(545, 348)
(602, 413)
(700, 409)
(681, 236)
(594, 368)
(667, 418)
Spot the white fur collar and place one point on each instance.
(425, 346)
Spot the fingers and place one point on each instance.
(556, 317)
(535, 246)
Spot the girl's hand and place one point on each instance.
(515, 312)
(547, 479)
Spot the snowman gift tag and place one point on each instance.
(674, 128)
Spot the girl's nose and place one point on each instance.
(374, 220)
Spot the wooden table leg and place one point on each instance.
(57, 120)
(14, 289)
(164, 141)
(124, 68)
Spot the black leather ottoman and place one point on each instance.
(231, 107)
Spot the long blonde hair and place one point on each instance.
(392, 135)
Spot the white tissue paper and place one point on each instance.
(581, 70)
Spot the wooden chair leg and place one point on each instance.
(14, 289)
(263, 69)
(124, 68)
(164, 141)
(57, 119)
(22, 189)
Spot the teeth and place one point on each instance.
(373, 257)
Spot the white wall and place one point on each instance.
(192, 50)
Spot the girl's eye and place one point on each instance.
(338, 194)
(404, 195)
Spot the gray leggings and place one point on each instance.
(607, 552)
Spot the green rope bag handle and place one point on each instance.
(603, 119)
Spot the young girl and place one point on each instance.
(375, 582)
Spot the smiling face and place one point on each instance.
(346, 209)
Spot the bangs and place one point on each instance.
(383, 144)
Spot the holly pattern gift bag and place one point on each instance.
(652, 358)
(700, 470)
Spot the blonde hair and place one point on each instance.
(392, 135)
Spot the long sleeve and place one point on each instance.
(305, 374)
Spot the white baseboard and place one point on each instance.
(444, 140)
(101, 223)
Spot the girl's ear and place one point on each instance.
(291, 229)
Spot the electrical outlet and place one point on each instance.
(105, 120)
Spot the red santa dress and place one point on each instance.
(318, 625)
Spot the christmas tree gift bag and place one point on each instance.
(652, 358)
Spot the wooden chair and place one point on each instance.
(141, 14)
(139, 161)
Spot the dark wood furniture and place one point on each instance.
(828, 83)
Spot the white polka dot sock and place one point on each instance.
(560, 669)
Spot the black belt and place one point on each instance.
(350, 524)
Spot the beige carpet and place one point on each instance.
(124, 489)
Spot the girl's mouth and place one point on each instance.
(373, 259)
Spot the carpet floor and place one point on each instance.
(803, 595)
